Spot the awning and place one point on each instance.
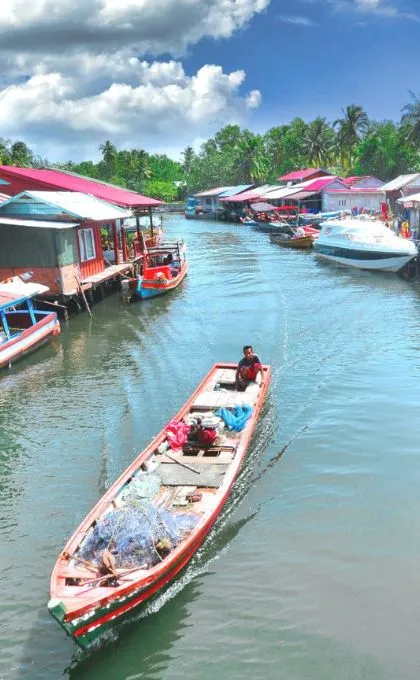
(414, 198)
(38, 224)
(302, 195)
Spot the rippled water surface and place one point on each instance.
(313, 569)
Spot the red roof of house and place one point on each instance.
(352, 180)
(321, 183)
(67, 181)
(301, 174)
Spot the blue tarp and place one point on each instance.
(236, 417)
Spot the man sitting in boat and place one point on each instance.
(248, 368)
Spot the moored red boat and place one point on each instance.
(152, 520)
(22, 327)
(163, 269)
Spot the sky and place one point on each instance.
(164, 74)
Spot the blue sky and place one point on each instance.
(322, 62)
(164, 74)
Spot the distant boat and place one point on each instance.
(22, 327)
(152, 520)
(363, 244)
(163, 269)
(300, 242)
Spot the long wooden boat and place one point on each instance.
(303, 242)
(22, 327)
(156, 515)
(163, 269)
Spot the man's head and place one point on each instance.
(248, 351)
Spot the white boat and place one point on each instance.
(363, 244)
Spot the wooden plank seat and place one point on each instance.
(218, 399)
(222, 458)
(226, 376)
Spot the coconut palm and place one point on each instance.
(318, 142)
(250, 163)
(109, 158)
(411, 118)
(350, 129)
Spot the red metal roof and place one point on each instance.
(352, 180)
(321, 183)
(301, 174)
(66, 181)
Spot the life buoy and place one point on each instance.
(160, 277)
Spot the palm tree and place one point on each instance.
(187, 157)
(411, 118)
(351, 129)
(109, 158)
(250, 162)
(318, 142)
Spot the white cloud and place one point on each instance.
(296, 20)
(150, 105)
(153, 26)
(381, 8)
(68, 84)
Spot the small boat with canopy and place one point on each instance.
(22, 327)
(162, 269)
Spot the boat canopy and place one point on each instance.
(15, 291)
(262, 207)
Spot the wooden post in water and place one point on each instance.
(139, 234)
(151, 221)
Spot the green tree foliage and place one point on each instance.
(385, 153)
(350, 130)
(318, 143)
(411, 118)
(351, 145)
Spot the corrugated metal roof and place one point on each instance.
(302, 195)
(39, 224)
(80, 206)
(281, 192)
(399, 182)
(4, 197)
(69, 181)
(235, 190)
(320, 183)
(356, 190)
(301, 174)
(248, 195)
(212, 192)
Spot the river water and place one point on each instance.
(313, 569)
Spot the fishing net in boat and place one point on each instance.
(138, 533)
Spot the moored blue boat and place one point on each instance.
(22, 327)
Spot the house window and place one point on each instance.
(342, 203)
(87, 245)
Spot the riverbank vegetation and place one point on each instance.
(350, 145)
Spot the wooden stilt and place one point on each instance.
(82, 293)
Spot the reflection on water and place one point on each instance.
(312, 569)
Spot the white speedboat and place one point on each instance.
(363, 244)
